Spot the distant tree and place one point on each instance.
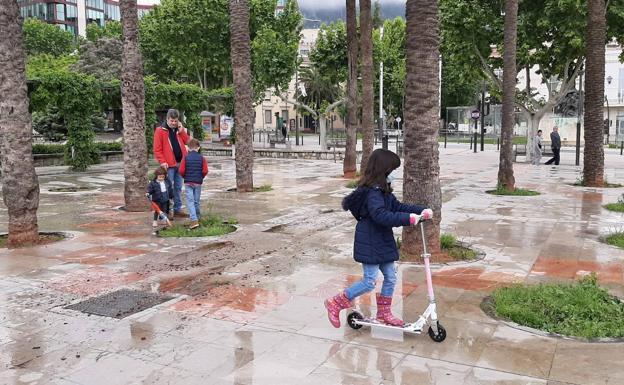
(43, 38)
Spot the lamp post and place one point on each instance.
(609, 80)
(579, 113)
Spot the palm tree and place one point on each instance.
(422, 109)
(366, 41)
(319, 88)
(133, 105)
(506, 178)
(20, 186)
(243, 107)
(349, 167)
(596, 34)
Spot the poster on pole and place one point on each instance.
(227, 123)
(207, 127)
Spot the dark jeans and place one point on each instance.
(555, 157)
(164, 207)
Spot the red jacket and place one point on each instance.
(163, 152)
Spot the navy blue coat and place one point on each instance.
(158, 196)
(377, 213)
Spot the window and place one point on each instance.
(72, 29)
(95, 17)
(60, 12)
(98, 4)
(268, 116)
(285, 115)
(71, 13)
(111, 11)
(281, 3)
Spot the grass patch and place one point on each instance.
(263, 188)
(616, 239)
(619, 207)
(450, 245)
(60, 148)
(581, 309)
(44, 239)
(352, 184)
(517, 192)
(209, 226)
(580, 182)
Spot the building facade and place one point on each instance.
(267, 111)
(74, 15)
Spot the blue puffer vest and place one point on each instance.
(193, 172)
(377, 213)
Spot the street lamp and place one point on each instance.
(609, 80)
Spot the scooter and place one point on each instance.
(430, 316)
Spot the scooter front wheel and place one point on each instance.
(441, 336)
(352, 317)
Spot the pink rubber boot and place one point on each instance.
(334, 305)
(384, 311)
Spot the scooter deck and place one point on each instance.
(408, 327)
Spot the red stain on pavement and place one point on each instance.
(470, 278)
(93, 281)
(575, 268)
(234, 303)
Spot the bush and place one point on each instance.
(48, 149)
(581, 309)
(109, 146)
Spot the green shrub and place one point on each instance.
(581, 309)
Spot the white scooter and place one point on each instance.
(430, 316)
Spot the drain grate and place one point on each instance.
(120, 304)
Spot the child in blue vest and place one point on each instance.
(377, 211)
(193, 169)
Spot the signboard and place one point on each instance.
(227, 123)
(206, 125)
(475, 114)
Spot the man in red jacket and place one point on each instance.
(169, 150)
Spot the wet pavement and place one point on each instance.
(247, 307)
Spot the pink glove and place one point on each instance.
(427, 214)
(414, 218)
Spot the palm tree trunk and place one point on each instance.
(422, 109)
(133, 105)
(593, 165)
(243, 108)
(20, 186)
(366, 40)
(506, 178)
(349, 166)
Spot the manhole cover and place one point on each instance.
(120, 304)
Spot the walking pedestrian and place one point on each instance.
(555, 145)
(537, 148)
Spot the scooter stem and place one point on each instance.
(427, 266)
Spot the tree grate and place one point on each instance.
(120, 304)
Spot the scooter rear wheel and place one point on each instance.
(441, 336)
(352, 317)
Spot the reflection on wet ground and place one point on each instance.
(248, 306)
